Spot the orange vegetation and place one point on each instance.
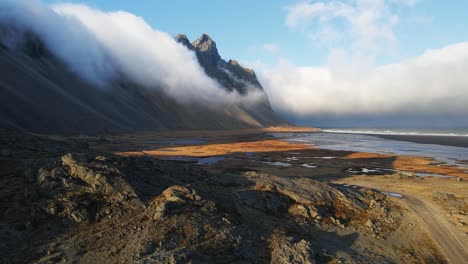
(220, 149)
(414, 164)
(404, 163)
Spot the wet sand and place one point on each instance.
(455, 141)
(255, 150)
(256, 143)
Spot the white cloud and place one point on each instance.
(350, 83)
(435, 82)
(405, 2)
(368, 23)
(150, 57)
(65, 36)
(303, 12)
(101, 46)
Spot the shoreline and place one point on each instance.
(453, 141)
(233, 146)
(209, 132)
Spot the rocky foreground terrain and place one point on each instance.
(62, 202)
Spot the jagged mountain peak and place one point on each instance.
(182, 38)
(234, 62)
(207, 54)
(204, 42)
(231, 75)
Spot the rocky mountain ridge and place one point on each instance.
(230, 74)
(39, 93)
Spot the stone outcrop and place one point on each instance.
(288, 251)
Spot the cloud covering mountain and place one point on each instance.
(69, 68)
(103, 46)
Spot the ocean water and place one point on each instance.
(374, 144)
(457, 132)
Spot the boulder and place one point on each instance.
(287, 250)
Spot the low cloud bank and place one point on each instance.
(101, 46)
(434, 83)
(349, 88)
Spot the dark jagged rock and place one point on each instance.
(243, 73)
(207, 51)
(231, 75)
(182, 38)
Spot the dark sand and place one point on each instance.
(439, 140)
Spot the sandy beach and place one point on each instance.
(239, 142)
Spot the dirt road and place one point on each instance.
(451, 241)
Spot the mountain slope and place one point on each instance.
(39, 93)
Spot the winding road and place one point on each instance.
(452, 242)
(449, 239)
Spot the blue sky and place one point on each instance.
(242, 28)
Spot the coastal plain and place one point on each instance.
(442, 188)
(224, 197)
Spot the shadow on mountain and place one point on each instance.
(40, 93)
